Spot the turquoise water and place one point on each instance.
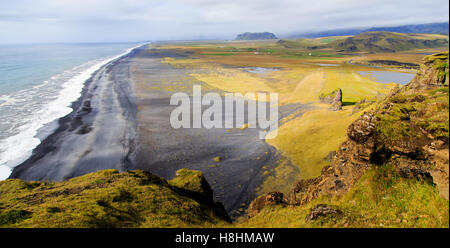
(38, 83)
(23, 66)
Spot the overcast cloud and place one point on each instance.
(138, 20)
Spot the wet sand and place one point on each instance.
(98, 134)
(122, 121)
(163, 149)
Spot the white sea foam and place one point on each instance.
(18, 147)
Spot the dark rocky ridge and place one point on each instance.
(393, 63)
(256, 36)
(428, 28)
(386, 42)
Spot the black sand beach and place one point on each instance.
(98, 134)
(122, 121)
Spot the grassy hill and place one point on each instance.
(389, 42)
(368, 42)
(428, 28)
(111, 199)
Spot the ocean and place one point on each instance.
(38, 83)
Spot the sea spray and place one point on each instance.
(17, 148)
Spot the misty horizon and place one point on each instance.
(69, 21)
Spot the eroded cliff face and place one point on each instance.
(334, 98)
(433, 72)
(409, 130)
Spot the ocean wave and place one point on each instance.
(39, 106)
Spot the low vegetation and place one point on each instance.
(302, 70)
(392, 171)
(110, 199)
(409, 113)
(389, 42)
(307, 141)
(381, 198)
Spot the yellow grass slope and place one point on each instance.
(309, 139)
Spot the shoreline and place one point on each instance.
(81, 108)
(120, 122)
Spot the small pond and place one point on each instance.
(260, 70)
(388, 76)
(322, 64)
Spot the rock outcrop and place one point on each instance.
(323, 211)
(268, 199)
(409, 130)
(434, 72)
(334, 98)
(194, 182)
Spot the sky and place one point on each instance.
(36, 21)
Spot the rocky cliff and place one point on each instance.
(334, 98)
(111, 199)
(409, 131)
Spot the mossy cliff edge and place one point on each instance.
(111, 199)
(408, 129)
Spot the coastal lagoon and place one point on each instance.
(388, 76)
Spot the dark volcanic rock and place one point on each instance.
(193, 184)
(193, 181)
(416, 173)
(394, 63)
(322, 210)
(259, 203)
(362, 128)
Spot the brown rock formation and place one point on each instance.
(268, 199)
(322, 210)
(433, 72)
(334, 98)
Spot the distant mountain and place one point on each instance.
(429, 28)
(256, 36)
(336, 32)
(387, 42)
